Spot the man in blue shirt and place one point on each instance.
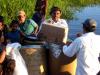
(14, 34)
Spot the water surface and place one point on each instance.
(75, 25)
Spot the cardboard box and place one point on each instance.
(52, 33)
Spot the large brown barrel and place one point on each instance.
(34, 56)
(62, 65)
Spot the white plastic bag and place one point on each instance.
(12, 50)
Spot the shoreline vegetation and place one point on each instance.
(9, 8)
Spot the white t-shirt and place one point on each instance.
(87, 49)
(60, 23)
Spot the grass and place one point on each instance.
(9, 8)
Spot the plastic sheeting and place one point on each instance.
(12, 50)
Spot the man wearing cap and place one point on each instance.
(87, 50)
(27, 26)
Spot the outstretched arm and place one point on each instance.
(73, 48)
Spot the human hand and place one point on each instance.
(79, 34)
(34, 34)
(68, 43)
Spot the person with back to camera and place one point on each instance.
(87, 50)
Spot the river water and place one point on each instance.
(75, 25)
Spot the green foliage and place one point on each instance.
(9, 8)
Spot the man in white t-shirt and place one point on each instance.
(87, 50)
(57, 21)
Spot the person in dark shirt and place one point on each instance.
(14, 34)
(3, 31)
(40, 11)
(38, 17)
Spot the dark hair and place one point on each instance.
(89, 25)
(89, 29)
(54, 8)
(14, 22)
(1, 18)
(8, 66)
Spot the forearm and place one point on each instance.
(2, 56)
(72, 49)
(66, 36)
(36, 30)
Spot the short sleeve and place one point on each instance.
(33, 23)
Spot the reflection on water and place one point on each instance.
(75, 25)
